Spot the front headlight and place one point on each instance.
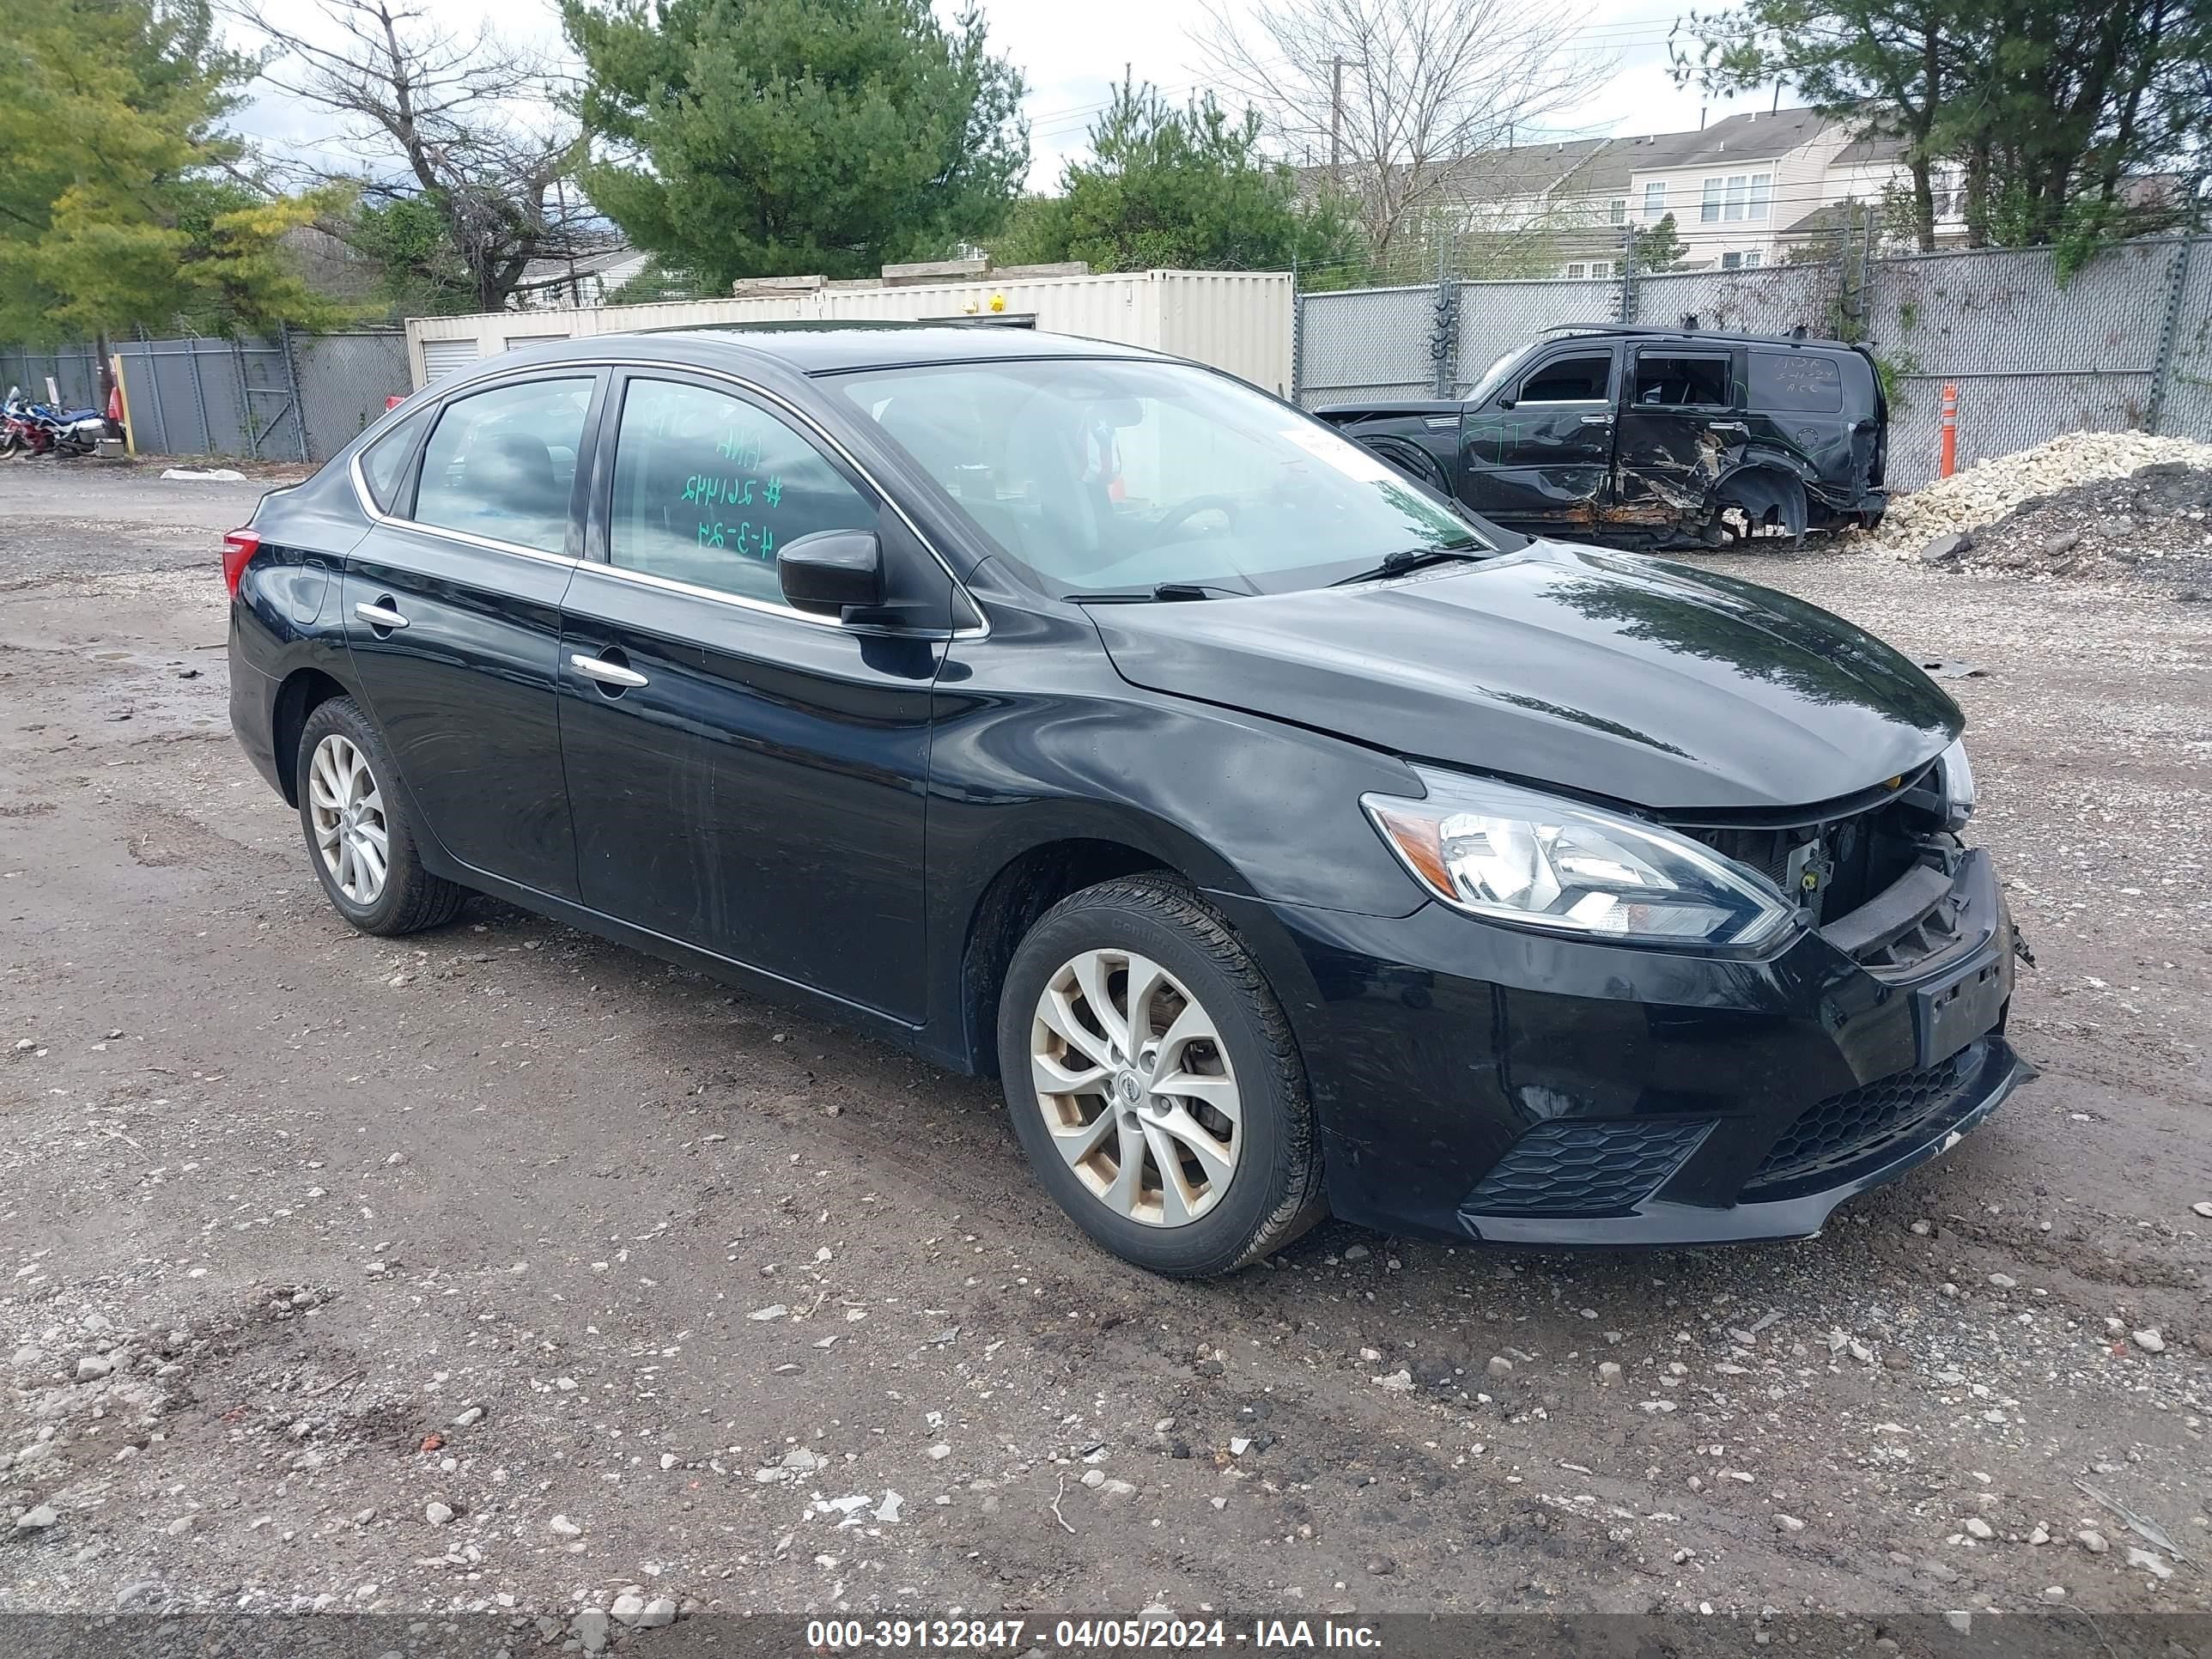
(1954, 781)
(1514, 855)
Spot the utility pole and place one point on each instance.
(1336, 123)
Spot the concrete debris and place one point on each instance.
(2096, 505)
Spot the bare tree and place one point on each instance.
(456, 131)
(1399, 97)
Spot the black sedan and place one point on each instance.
(1286, 838)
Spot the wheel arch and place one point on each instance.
(1766, 488)
(1010, 903)
(302, 692)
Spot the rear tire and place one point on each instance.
(1122, 993)
(360, 838)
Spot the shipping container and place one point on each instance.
(1237, 320)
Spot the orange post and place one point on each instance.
(1947, 463)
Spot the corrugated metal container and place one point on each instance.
(1237, 320)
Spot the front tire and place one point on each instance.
(1153, 1082)
(359, 836)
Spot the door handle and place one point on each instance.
(1597, 420)
(1727, 426)
(607, 673)
(379, 614)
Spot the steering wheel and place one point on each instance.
(1224, 505)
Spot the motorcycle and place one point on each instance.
(40, 428)
(21, 433)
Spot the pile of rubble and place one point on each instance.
(2089, 504)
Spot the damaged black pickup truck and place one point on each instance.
(1651, 438)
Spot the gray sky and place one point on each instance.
(1071, 53)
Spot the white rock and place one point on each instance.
(1977, 1527)
(1500, 1366)
(2054, 1593)
(1609, 1373)
(668, 1460)
(2149, 1563)
(93, 1367)
(1399, 1382)
(2149, 1340)
(2203, 1207)
(1094, 1478)
(1788, 1523)
(658, 1611)
(562, 1526)
(627, 1606)
(773, 1310)
(2003, 1281)
(2092, 1540)
(37, 1520)
(437, 1514)
(473, 1415)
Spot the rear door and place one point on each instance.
(1680, 417)
(452, 606)
(744, 777)
(1821, 406)
(1537, 455)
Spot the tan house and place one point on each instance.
(1741, 190)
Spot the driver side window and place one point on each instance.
(1583, 380)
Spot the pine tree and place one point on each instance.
(776, 137)
(124, 201)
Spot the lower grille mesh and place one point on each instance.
(1843, 1128)
(1571, 1169)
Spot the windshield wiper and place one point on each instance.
(1164, 593)
(1413, 558)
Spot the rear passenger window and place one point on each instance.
(384, 463)
(502, 463)
(1700, 382)
(1797, 382)
(1570, 381)
(708, 487)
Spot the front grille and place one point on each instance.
(1842, 1130)
(1568, 1169)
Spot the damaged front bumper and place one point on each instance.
(1473, 1081)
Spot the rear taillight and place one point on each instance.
(238, 547)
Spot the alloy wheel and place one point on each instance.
(347, 809)
(1134, 1083)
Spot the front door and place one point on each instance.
(452, 616)
(1538, 454)
(744, 778)
(1680, 419)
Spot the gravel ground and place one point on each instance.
(504, 1268)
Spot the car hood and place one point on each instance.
(1604, 674)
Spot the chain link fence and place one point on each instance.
(2125, 342)
(296, 398)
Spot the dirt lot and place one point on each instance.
(504, 1268)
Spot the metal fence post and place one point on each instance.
(292, 385)
(1444, 333)
(245, 398)
(199, 396)
(2169, 331)
(1297, 333)
(1627, 275)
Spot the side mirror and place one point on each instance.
(831, 571)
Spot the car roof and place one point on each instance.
(826, 348)
(1691, 335)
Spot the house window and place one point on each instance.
(1616, 210)
(1742, 261)
(1601, 267)
(1752, 261)
(1578, 269)
(1655, 200)
(1739, 195)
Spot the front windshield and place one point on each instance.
(1102, 477)
(1492, 378)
